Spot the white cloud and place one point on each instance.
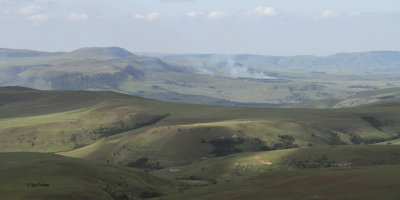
(195, 14)
(29, 10)
(150, 16)
(77, 17)
(5, 15)
(329, 14)
(264, 11)
(37, 18)
(216, 15)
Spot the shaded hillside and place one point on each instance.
(374, 182)
(48, 176)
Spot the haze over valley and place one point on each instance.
(245, 80)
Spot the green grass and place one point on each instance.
(245, 175)
(376, 182)
(373, 174)
(181, 137)
(245, 165)
(68, 178)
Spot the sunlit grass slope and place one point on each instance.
(245, 165)
(120, 128)
(342, 172)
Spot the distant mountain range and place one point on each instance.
(201, 78)
(359, 99)
(88, 51)
(373, 61)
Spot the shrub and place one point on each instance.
(334, 139)
(139, 163)
(285, 142)
(226, 146)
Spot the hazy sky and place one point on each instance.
(269, 27)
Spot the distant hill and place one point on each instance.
(374, 61)
(239, 80)
(101, 51)
(365, 98)
(18, 53)
(82, 52)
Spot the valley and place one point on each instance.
(232, 80)
(199, 100)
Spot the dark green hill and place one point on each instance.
(48, 176)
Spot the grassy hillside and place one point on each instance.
(48, 121)
(183, 138)
(192, 151)
(93, 124)
(247, 165)
(346, 172)
(48, 176)
(375, 182)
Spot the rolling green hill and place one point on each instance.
(128, 147)
(374, 182)
(342, 172)
(97, 123)
(245, 165)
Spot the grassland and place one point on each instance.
(377, 182)
(128, 145)
(48, 176)
(343, 172)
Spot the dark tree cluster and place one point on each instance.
(285, 142)
(226, 146)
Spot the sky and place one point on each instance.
(266, 27)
